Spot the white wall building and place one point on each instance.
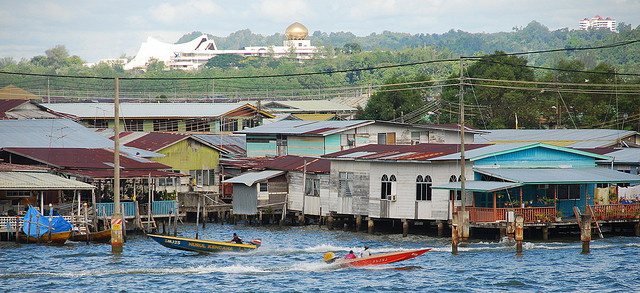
(597, 22)
(193, 54)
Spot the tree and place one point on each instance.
(394, 99)
(155, 65)
(351, 48)
(224, 61)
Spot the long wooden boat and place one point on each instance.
(377, 259)
(54, 238)
(199, 245)
(103, 236)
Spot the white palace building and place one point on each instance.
(597, 22)
(193, 54)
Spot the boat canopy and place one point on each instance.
(36, 225)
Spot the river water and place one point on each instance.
(290, 260)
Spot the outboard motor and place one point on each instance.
(256, 242)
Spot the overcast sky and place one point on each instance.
(96, 30)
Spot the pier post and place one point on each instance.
(301, 219)
(545, 233)
(519, 235)
(330, 222)
(454, 233)
(358, 222)
(636, 229)
(440, 228)
(585, 232)
(370, 226)
(405, 228)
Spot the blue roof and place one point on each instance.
(583, 138)
(57, 133)
(301, 127)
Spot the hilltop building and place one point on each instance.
(597, 22)
(193, 54)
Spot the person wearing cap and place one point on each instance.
(365, 252)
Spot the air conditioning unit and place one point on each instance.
(393, 197)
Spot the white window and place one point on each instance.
(346, 184)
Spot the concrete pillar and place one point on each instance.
(636, 229)
(519, 233)
(585, 232)
(545, 233)
(370, 226)
(465, 226)
(358, 222)
(440, 229)
(301, 219)
(405, 228)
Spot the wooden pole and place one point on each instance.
(519, 233)
(358, 222)
(198, 216)
(585, 232)
(405, 228)
(370, 226)
(454, 233)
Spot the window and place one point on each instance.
(264, 187)
(249, 123)
(169, 181)
(346, 184)
(568, 191)
(228, 124)
(165, 125)
(312, 187)
(133, 125)
(423, 188)
(387, 187)
(19, 193)
(415, 137)
(203, 177)
(197, 125)
(347, 141)
(458, 193)
(387, 138)
(98, 123)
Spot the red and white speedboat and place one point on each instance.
(377, 259)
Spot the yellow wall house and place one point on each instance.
(186, 154)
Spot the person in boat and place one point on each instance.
(365, 252)
(236, 239)
(350, 255)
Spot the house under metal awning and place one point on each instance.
(559, 175)
(479, 186)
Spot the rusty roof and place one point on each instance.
(7, 105)
(296, 163)
(418, 152)
(155, 141)
(17, 167)
(106, 174)
(81, 158)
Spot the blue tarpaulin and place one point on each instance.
(36, 225)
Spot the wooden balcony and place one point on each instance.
(531, 214)
(614, 211)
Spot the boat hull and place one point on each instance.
(199, 245)
(103, 236)
(379, 259)
(53, 238)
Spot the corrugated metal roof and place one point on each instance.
(155, 141)
(315, 117)
(582, 138)
(145, 110)
(17, 167)
(107, 174)
(39, 181)
(251, 178)
(560, 176)
(296, 163)
(56, 133)
(618, 155)
(80, 158)
(295, 127)
(418, 152)
(478, 186)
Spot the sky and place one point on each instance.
(97, 30)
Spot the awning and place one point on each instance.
(560, 175)
(39, 181)
(479, 186)
(251, 178)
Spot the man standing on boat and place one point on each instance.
(365, 252)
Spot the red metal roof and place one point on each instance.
(123, 173)
(296, 163)
(7, 105)
(418, 152)
(81, 158)
(155, 141)
(16, 167)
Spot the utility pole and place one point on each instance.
(117, 220)
(464, 215)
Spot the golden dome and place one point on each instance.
(296, 31)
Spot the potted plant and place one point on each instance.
(559, 216)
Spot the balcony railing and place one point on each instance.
(531, 214)
(614, 211)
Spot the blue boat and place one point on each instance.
(199, 245)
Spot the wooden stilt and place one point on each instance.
(405, 228)
(358, 222)
(454, 233)
(585, 232)
(519, 235)
(370, 226)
